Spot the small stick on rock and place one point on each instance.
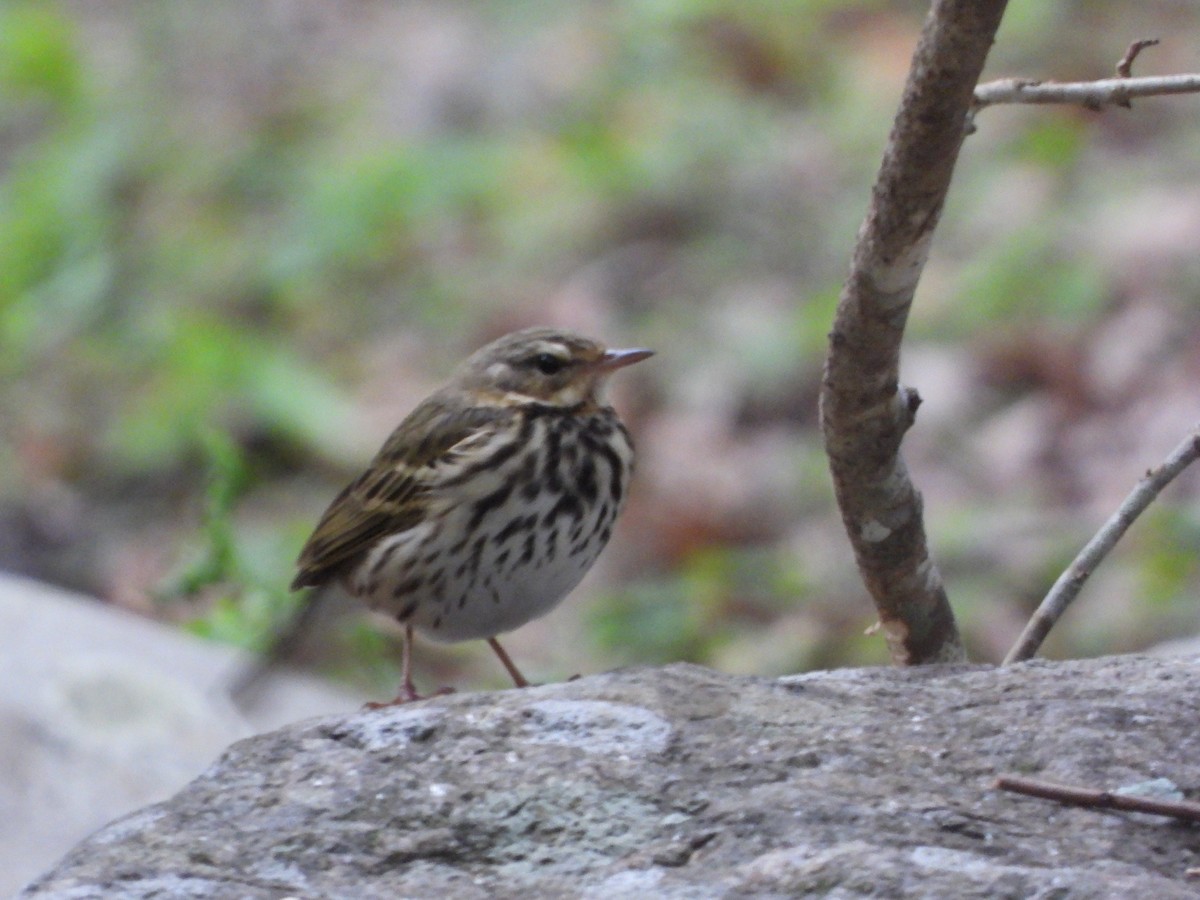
(1089, 797)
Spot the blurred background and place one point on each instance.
(238, 242)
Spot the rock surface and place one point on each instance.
(102, 712)
(684, 783)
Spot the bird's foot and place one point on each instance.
(409, 694)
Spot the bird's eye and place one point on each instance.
(548, 363)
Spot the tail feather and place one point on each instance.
(246, 684)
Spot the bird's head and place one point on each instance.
(543, 365)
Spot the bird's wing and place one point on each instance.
(392, 495)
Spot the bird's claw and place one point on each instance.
(409, 695)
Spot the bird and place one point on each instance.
(489, 502)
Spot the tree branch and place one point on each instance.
(1070, 582)
(864, 410)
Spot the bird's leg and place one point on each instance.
(518, 679)
(408, 690)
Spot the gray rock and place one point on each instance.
(102, 712)
(684, 783)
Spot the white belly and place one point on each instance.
(484, 564)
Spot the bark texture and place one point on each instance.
(865, 412)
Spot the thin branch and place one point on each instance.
(1096, 799)
(1094, 95)
(1070, 582)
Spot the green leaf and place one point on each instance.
(38, 55)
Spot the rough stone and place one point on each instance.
(102, 712)
(684, 783)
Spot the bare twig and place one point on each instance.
(1094, 95)
(1071, 581)
(1096, 799)
(865, 412)
(1125, 63)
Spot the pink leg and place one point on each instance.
(408, 690)
(517, 677)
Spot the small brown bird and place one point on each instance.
(490, 501)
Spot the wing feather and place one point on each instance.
(394, 493)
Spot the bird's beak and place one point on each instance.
(619, 359)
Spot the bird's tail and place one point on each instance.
(246, 684)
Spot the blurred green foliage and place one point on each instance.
(249, 601)
(208, 217)
(1170, 565)
(101, 285)
(1024, 277)
(705, 604)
